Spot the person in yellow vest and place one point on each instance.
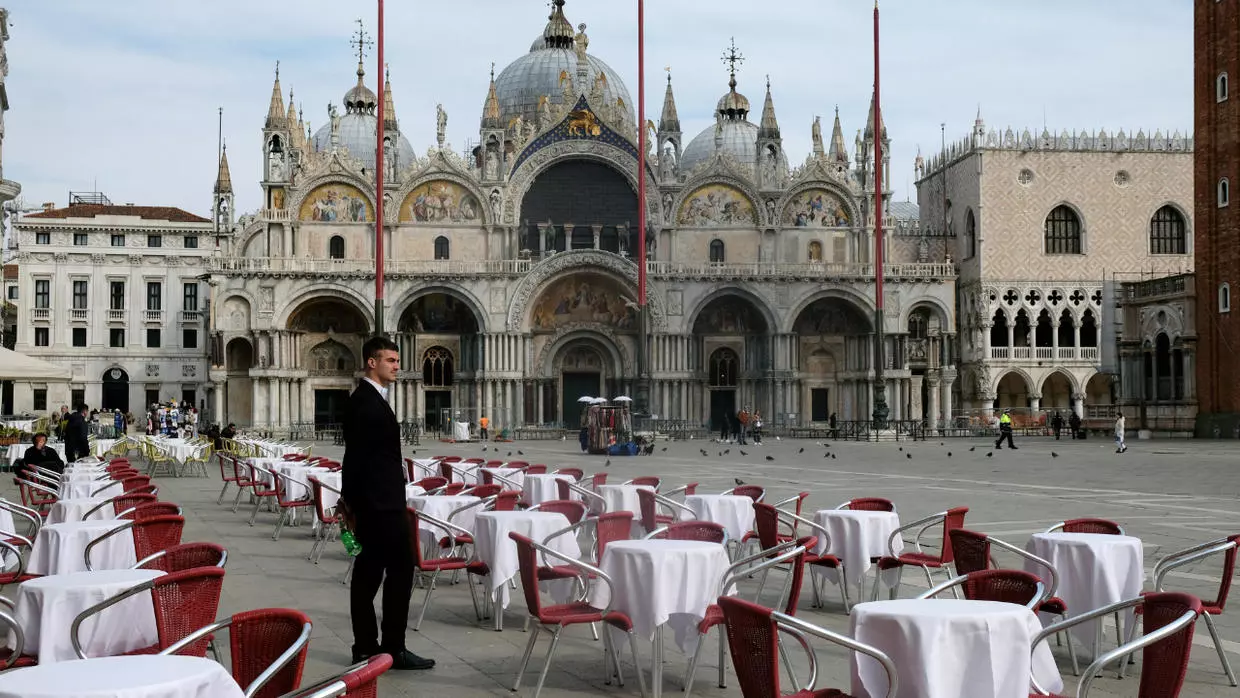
(483, 424)
(1005, 430)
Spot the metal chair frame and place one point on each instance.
(127, 526)
(824, 539)
(18, 645)
(25, 512)
(161, 553)
(1057, 528)
(958, 581)
(339, 685)
(261, 680)
(922, 525)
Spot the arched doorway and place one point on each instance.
(833, 335)
(333, 330)
(556, 197)
(722, 377)
(1057, 394)
(239, 359)
(1012, 392)
(115, 390)
(441, 341)
(438, 374)
(331, 359)
(733, 332)
(583, 373)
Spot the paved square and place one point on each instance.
(1170, 494)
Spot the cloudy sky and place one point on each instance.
(122, 97)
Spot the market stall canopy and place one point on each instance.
(19, 367)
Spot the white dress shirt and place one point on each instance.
(383, 392)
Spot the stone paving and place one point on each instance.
(1170, 494)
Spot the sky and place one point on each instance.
(123, 97)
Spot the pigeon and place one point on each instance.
(704, 453)
(832, 455)
(990, 454)
(415, 453)
(827, 454)
(739, 482)
(908, 456)
(1054, 455)
(742, 452)
(972, 449)
(770, 457)
(607, 464)
(721, 454)
(664, 448)
(520, 453)
(901, 448)
(802, 450)
(510, 454)
(484, 448)
(726, 451)
(949, 454)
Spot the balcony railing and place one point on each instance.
(116, 315)
(190, 317)
(153, 315)
(79, 314)
(429, 267)
(277, 214)
(1044, 353)
(41, 314)
(1089, 353)
(768, 270)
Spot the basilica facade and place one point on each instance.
(511, 269)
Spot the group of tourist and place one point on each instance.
(746, 424)
(170, 420)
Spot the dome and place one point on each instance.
(357, 133)
(740, 140)
(519, 86)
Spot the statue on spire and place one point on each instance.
(817, 133)
(581, 42)
(441, 125)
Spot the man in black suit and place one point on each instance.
(77, 435)
(374, 492)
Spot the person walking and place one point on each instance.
(1120, 446)
(77, 435)
(373, 493)
(1005, 430)
(1057, 424)
(1074, 423)
(483, 424)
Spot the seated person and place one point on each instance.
(42, 455)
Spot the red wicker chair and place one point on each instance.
(288, 506)
(150, 510)
(267, 647)
(13, 656)
(358, 681)
(652, 520)
(572, 510)
(754, 492)
(184, 602)
(701, 531)
(185, 556)
(950, 519)
(539, 469)
(1099, 526)
(868, 504)
(227, 464)
(453, 488)
(767, 521)
(1168, 620)
(574, 473)
(557, 617)
(430, 484)
(598, 479)
(329, 521)
(791, 553)
(506, 500)
(484, 491)
(12, 545)
(122, 503)
(445, 563)
(149, 536)
(754, 643)
(1005, 586)
(647, 481)
(247, 479)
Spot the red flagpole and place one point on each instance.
(641, 154)
(881, 411)
(379, 185)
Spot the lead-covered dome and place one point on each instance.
(553, 58)
(733, 132)
(359, 128)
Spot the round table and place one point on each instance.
(856, 537)
(733, 512)
(82, 489)
(1095, 570)
(514, 475)
(68, 510)
(621, 498)
(493, 546)
(948, 648)
(139, 676)
(543, 488)
(441, 507)
(45, 609)
(59, 548)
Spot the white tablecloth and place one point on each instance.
(425, 467)
(26, 425)
(493, 546)
(300, 473)
(140, 676)
(273, 449)
(856, 537)
(59, 548)
(178, 449)
(98, 447)
(543, 488)
(515, 475)
(1094, 569)
(663, 581)
(948, 648)
(621, 498)
(74, 509)
(464, 472)
(441, 508)
(332, 479)
(45, 608)
(73, 488)
(733, 512)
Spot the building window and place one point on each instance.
(1220, 88)
(1224, 298)
(118, 239)
(116, 295)
(42, 293)
(152, 396)
(815, 251)
(154, 295)
(190, 301)
(335, 247)
(191, 242)
(1224, 192)
(437, 368)
(13, 292)
(1063, 232)
(443, 248)
(189, 397)
(189, 339)
(81, 295)
(79, 336)
(154, 240)
(717, 254)
(152, 338)
(40, 399)
(80, 239)
(42, 337)
(723, 368)
(116, 338)
(970, 234)
(42, 238)
(1168, 234)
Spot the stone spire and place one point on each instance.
(275, 112)
(389, 107)
(223, 181)
(291, 117)
(769, 126)
(670, 120)
(491, 116)
(838, 152)
(869, 122)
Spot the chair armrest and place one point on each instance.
(1179, 559)
(18, 646)
(810, 655)
(484, 502)
(196, 635)
(679, 490)
(583, 567)
(506, 481)
(823, 536)
(782, 553)
(40, 487)
(790, 500)
(36, 521)
(588, 521)
(452, 529)
(91, 545)
(287, 479)
(1063, 625)
(893, 680)
(110, 502)
(942, 587)
(588, 493)
(17, 553)
(100, 607)
(1045, 564)
(933, 518)
(673, 505)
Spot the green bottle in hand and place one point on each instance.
(351, 546)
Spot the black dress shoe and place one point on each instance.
(405, 660)
(361, 656)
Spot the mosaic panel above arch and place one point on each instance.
(583, 298)
(816, 208)
(336, 203)
(441, 201)
(716, 206)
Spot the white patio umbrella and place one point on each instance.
(600, 401)
(585, 398)
(622, 398)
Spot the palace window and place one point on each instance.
(154, 295)
(116, 295)
(118, 239)
(717, 252)
(437, 368)
(1168, 232)
(81, 239)
(335, 247)
(443, 248)
(815, 251)
(1220, 88)
(1224, 298)
(970, 234)
(1224, 192)
(79, 336)
(81, 295)
(189, 302)
(1063, 231)
(42, 293)
(191, 242)
(42, 337)
(723, 368)
(42, 238)
(116, 337)
(154, 241)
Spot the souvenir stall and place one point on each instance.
(609, 428)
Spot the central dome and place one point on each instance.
(359, 129)
(539, 73)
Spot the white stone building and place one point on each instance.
(116, 293)
(510, 271)
(1045, 228)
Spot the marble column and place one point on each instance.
(1078, 404)
(932, 410)
(1035, 402)
(946, 401)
